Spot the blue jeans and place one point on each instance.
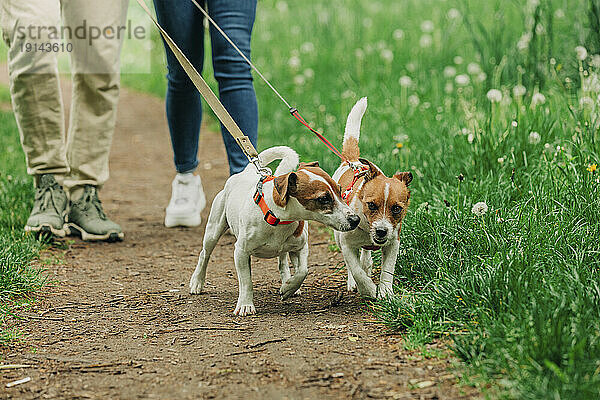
(185, 24)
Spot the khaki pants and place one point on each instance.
(34, 85)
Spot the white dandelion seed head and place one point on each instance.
(537, 98)
(581, 53)
(595, 62)
(473, 69)
(462, 80)
(294, 62)
(500, 160)
(411, 67)
(398, 34)
(523, 43)
(559, 13)
(494, 95)
(395, 151)
(427, 26)
(479, 209)
(519, 91)
(309, 73)
(387, 55)
(470, 138)
(425, 41)
(591, 83)
(359, 53)
(514, 124)
(413, 100)
(450, 71)
(458, 60)
(534, 137)
(481, 77)
(307, 47)
(453, 13)
(586, 102)
(448, 87)
(405, 81)
(299, 80)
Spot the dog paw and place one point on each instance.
(351, 285)
(244, 309)
(287, 290)
(196, 286)
(384, 291)
(369, 292)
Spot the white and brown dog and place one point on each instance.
(307, 194)
(381, 203)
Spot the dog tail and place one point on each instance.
(350, 149)
(289, 159)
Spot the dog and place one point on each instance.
(306, 194)
(381, 203)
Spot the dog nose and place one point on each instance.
(353, 220)
(381, 232)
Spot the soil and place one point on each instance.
(118, 322)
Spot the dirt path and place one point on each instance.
(120, 324)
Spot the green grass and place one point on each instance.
(19, 278)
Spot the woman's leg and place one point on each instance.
(233, 74)
(184, 23)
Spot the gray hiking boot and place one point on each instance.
(87, 220)
(49, 208)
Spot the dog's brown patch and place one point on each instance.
(299, 229)
(350, 149)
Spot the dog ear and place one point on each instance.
(308, 164)
(405, 177)
(285, 186)
(373, 170)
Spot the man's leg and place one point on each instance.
(35, 91)
(96, 78)
(233, 74)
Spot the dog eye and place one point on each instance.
(325, 199)
(372, 206)
(396, 209)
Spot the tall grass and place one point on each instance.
(18, 276)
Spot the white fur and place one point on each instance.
(354, 119)
(352, 243)
(233, 208)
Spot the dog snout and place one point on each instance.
(381, 233)
(353, 220)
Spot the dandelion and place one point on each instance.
(453, 13)
(449, 71)
(387, 55)
(592, 168)
(462, 80)
(494, 95)
(559, 13)
(458, 60)
(501, 160)
(595, 61)
(481, 77)
(519, 91)
(523, 43)
(405, 81)
(534, 138)
(427, 26)
(299, 80)
(413, 100)
(399, 145)
(411, 67)
(395, 151)
(581, 53)
(537, 98)
(514, 124)
(359, 53)
(294, 62)
(586, 102)
(309, 73)
(470, 138)
(473, 68)
(479, 209)
(398, 34)
(425, 41)
(307, 47)
(449, 87)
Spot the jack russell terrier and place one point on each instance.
(381, 203)
(307, 194)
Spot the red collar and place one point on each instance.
(359, 170)
(259, 199)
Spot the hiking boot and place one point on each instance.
(49, 208)
(187, 201)
(87, 220)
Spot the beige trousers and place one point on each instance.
(29, 30)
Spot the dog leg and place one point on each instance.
(351, 285)
(294, 262)
(366, 263)
(291, 286)
(284, 268)
(215, 227)
(388, 266)
(365, 285)
(245, 303)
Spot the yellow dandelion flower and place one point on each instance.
(592, 168)
(399, 145)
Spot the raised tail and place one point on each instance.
(289, 159)
(350, 149)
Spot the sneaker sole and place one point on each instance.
(47, 229)
(110, 237)
(172, 221)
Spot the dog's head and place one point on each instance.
(311, 194)
(384, 202)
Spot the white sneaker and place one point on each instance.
(187, 201)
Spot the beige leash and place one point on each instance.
(212, 100)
